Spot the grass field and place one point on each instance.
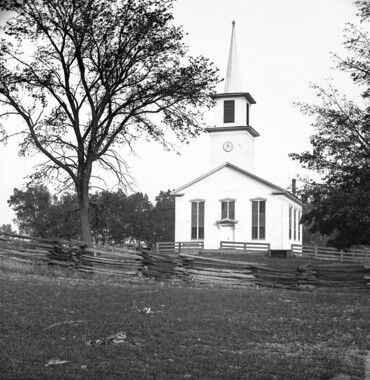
(175, 331)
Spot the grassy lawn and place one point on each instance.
(189, 332)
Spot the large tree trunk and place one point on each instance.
(82, 188)
(85, 222)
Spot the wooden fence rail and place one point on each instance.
(225, 246)
(188, 266)
(212, 271)
(70, 254)
(247, 247)
(329, 253)
(178, 247)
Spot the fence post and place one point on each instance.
(315, 252)
(80, 252)
(179, 247)
(157, 247)
(365, 256)
(341, 255)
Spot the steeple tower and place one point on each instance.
(232, 139)
(232, 80)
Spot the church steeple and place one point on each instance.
(232, 80)
(232, 138)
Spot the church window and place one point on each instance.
(228, 209)
(229, 111)
(247, 116)
(197, 220)
(258, 219)
(290, 222)
(299, 226)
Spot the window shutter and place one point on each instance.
(229, 111)
(232, 209)
(262, 220)
(223, 210)
(194, 219)
(201, 221)
(254, 219)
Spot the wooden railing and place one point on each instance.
(247, 247)
(178, 247)
(329, 253)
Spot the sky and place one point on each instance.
(283, 46)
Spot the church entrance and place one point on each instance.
(227, 233)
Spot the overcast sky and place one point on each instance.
(283, 45)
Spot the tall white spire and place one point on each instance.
(232, 80)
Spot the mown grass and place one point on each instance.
(190, 332)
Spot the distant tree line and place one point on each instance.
(115, 218)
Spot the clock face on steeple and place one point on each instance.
(228, 146)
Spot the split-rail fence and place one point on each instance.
(186, 262)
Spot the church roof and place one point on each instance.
(232, 80)
(277, 190)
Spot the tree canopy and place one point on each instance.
(7, 229)
(340, 201)
(163, 217)
(87, 77)
(39, 213)
(115, 218)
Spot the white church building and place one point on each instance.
(230, 202)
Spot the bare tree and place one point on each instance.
(89, 76)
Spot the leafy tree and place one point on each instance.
(163, 217)
(341, 149)
(99, 212)
(63, 217)
(88, 76)
(31, 207)
(7, 229)
(38, 213)
(108, 217)
(115, 217)
(138, 210)
(310, 237)
(117, 221)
